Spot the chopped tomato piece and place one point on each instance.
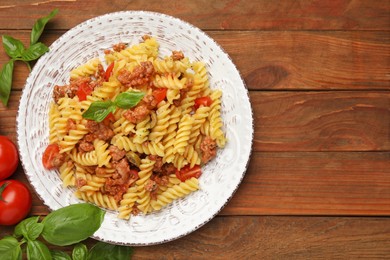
(134, 174)
(108, 72)
(203, 101)
(51, 152)
(83, 91)
(187, 173)
(108, 119)
(159, 94)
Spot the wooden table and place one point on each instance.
(318, 73)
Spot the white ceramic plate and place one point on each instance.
(221, 177)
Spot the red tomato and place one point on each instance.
(134, 173)
(83, 91)
(15, 202)
(108, 119)
(186, 172)
(9, 158)
(108, 72)
(203, 101)
(159, 94)
(52, 150)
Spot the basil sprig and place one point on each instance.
(16, 50)
(99, 110)
(65, 226)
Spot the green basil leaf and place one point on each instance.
(10, 249)
(80, 252)
(36, 250)
(59, 255)
(34, 51)
(101, 251)
(29, 228)
(128, 100)
(13, 47)
(72, 224)
(6, 81)
(98, 110)
(40, 25)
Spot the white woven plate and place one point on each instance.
(221, 177)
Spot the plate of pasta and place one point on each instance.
(143, 115)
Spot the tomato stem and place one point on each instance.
(2, 188)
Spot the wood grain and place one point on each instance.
(321, 121)
(265, 237)
(221, 15)
(287, 60)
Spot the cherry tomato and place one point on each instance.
(108, 72)
(83, 91)
(9, 158)
(203, 101)
(52, 150)
(15, 202)
(186, 172)
(159, 94)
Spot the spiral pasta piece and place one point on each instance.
(175, 192)
(102, 154)
(124, 142)
(86, 69)
(127, 203)
(216, 132)
(183, 134)
(99, 199)
(67, 171)
(163, 116)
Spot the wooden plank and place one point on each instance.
(299, 121)
(287, 60)
(283, 183)
(304, 183)
(268, 237)
(243, 15)
(321, 121)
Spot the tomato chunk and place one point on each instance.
(49, 155)
(187, 173)
(203, 101)
(159, 94)
(83, 91)
(108, 72)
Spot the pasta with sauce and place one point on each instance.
(141, 158)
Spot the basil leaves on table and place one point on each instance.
(72, 224)
(99, 110)
(16, 50)
(65, 226)
(10, 249)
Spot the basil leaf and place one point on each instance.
(29, 228)
(34, 51)
(40, 25)
(80, 252)
(101, 251)
(10, 249)
(72, 224)
(98, 110)
(6, 81)
(13, 47)
(59, 255)
(128, 100)
(36, 250)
